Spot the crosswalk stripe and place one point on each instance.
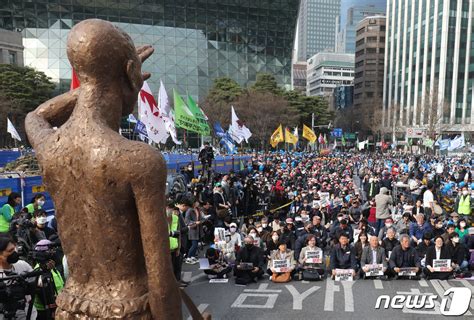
(378, 284)
(423, 283)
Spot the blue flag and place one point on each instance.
(141, 128)
(228, 143)
(218, 130)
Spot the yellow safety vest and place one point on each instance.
(174, 227)
(4, 224)
(58, 283)
(464, 205)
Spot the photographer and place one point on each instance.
(206, 155)
(52, 281)
(41, 231)
(11, 265)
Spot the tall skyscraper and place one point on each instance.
(428, 66)
(352, 12)
(316, 27)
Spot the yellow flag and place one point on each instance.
(290, 138)
(309, 134)
(277, 137)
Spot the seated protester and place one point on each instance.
(423, 247)
(371, 255)
(403, 225)
(343, 228)
(355, 213)
(283, 253)
(458, 253)
(363, 227)
(276, 222)
(301, 240)
(42, 231)
(262, 233)
(390, 242)
(218, 266)
(438, 251)
(266, 226)
(299, 226)
(319, 232)
(257, 240)
(311, 245)
(272, 244)
(360, 245)
(383, 231)
(10, 264)
(418, 208)
(438, 229)
(227, 248)
(235, 236)
(286, 235)
(450, 229)
(462, 229)
(404, 256)
(418, 229)
(291, 227)
(342, 256)
(247, 224)
(248, 263)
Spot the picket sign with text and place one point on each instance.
(441, 265)
(344, 275)
(374, 270)
(281, 265)
(314, 256)
(407, 272)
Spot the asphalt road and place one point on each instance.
(319, 300)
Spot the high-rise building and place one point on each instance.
(429, 75)
(195, 41)
(356, 12)
(343, 97)
(298, 81)
(326, 71)
(11, 47)
(369, 63)
(316, 27)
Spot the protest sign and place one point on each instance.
(314, 256)
(281, 265)
(407, 272)
(344, 275)
(374, 270)
(441, 265)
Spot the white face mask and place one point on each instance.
(275, 238)
(253, 234)
(41, 220)
(465, 192)
(456, 240)
(41, 203)
(388, 225)
(264, 225)
(462, 224)
(259, 229)
(233, 229)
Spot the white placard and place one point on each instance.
(374, 270)
(281, 265)
(441, 265)
(203, 264)
(344, 275)
(219, 281)
(407, 272)
(314, 256)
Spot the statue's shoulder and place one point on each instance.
(143, 153)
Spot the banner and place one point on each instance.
(141, 128)
(289, 137)
(184, 117)
(309, 134)
(443, 144)
(218, 130)
(407, 272)
(457, 143)
(199, 115)
(415, 132)
(277, 137)
(314, 256)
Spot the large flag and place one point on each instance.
(309, 134)
(199, 115)
(218, 130)
(457, 143)
(229, 145)
(74, 81)
(326, 139)
(11, 130)
(443, 144)
(321, 139)
(131, 118)
(184, 117)
(150, 115)
(277, 136)
(238, 130)
(289, 137)
(361, 145)
(167, 113)
(343, 141)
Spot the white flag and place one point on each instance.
(295, 133)
(151, 116)
(11, 130)
(238, 129)
(167, 112)
(457, 143)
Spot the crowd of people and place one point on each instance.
(300, 216)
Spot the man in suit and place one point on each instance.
(373, 254)
(438, 251)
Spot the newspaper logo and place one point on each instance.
(460, 300)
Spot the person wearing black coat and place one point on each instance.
(248, 254)
(343, 256)
(404, 256)
(458, 252)
(438, 251)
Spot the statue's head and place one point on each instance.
(102, 55)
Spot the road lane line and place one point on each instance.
(378, 284)
(331, 288)
(201, 309)
(299, 297)
(348, 296)
(423, 283)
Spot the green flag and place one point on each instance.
(242, 165)
(343, 141)
(205, 130)
(184, 117)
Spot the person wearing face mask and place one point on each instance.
(258, 242)
(463, 204)
(8, 210)
(42, 231)
(383, 230)
(235, 236)
(261, 232)
(438, 229)
(265, 225)
(227, 248)
(37, 203)
(272, 244)
(10, 264)
(461, 230)
(458, 252)
(248, 263)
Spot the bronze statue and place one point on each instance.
(108, 191)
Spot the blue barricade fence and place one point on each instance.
(7, 156)
(34, 184)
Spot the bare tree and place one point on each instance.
(434, 112)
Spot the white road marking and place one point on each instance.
(331, 288)
(271, 299)
(199, 275)
(467, 284)
(423, 283)
(186, 276)
(201, 309)
(263, 288)
(378, 284)
(348, 296)
(299, 297)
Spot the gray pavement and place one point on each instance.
(326, 299)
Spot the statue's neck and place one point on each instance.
(100, 105)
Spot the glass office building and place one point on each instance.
(195, 41)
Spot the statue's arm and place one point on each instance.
(53, 113)
(148, 186)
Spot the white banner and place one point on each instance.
(441, 265)
(281, 265)
(314, 256)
